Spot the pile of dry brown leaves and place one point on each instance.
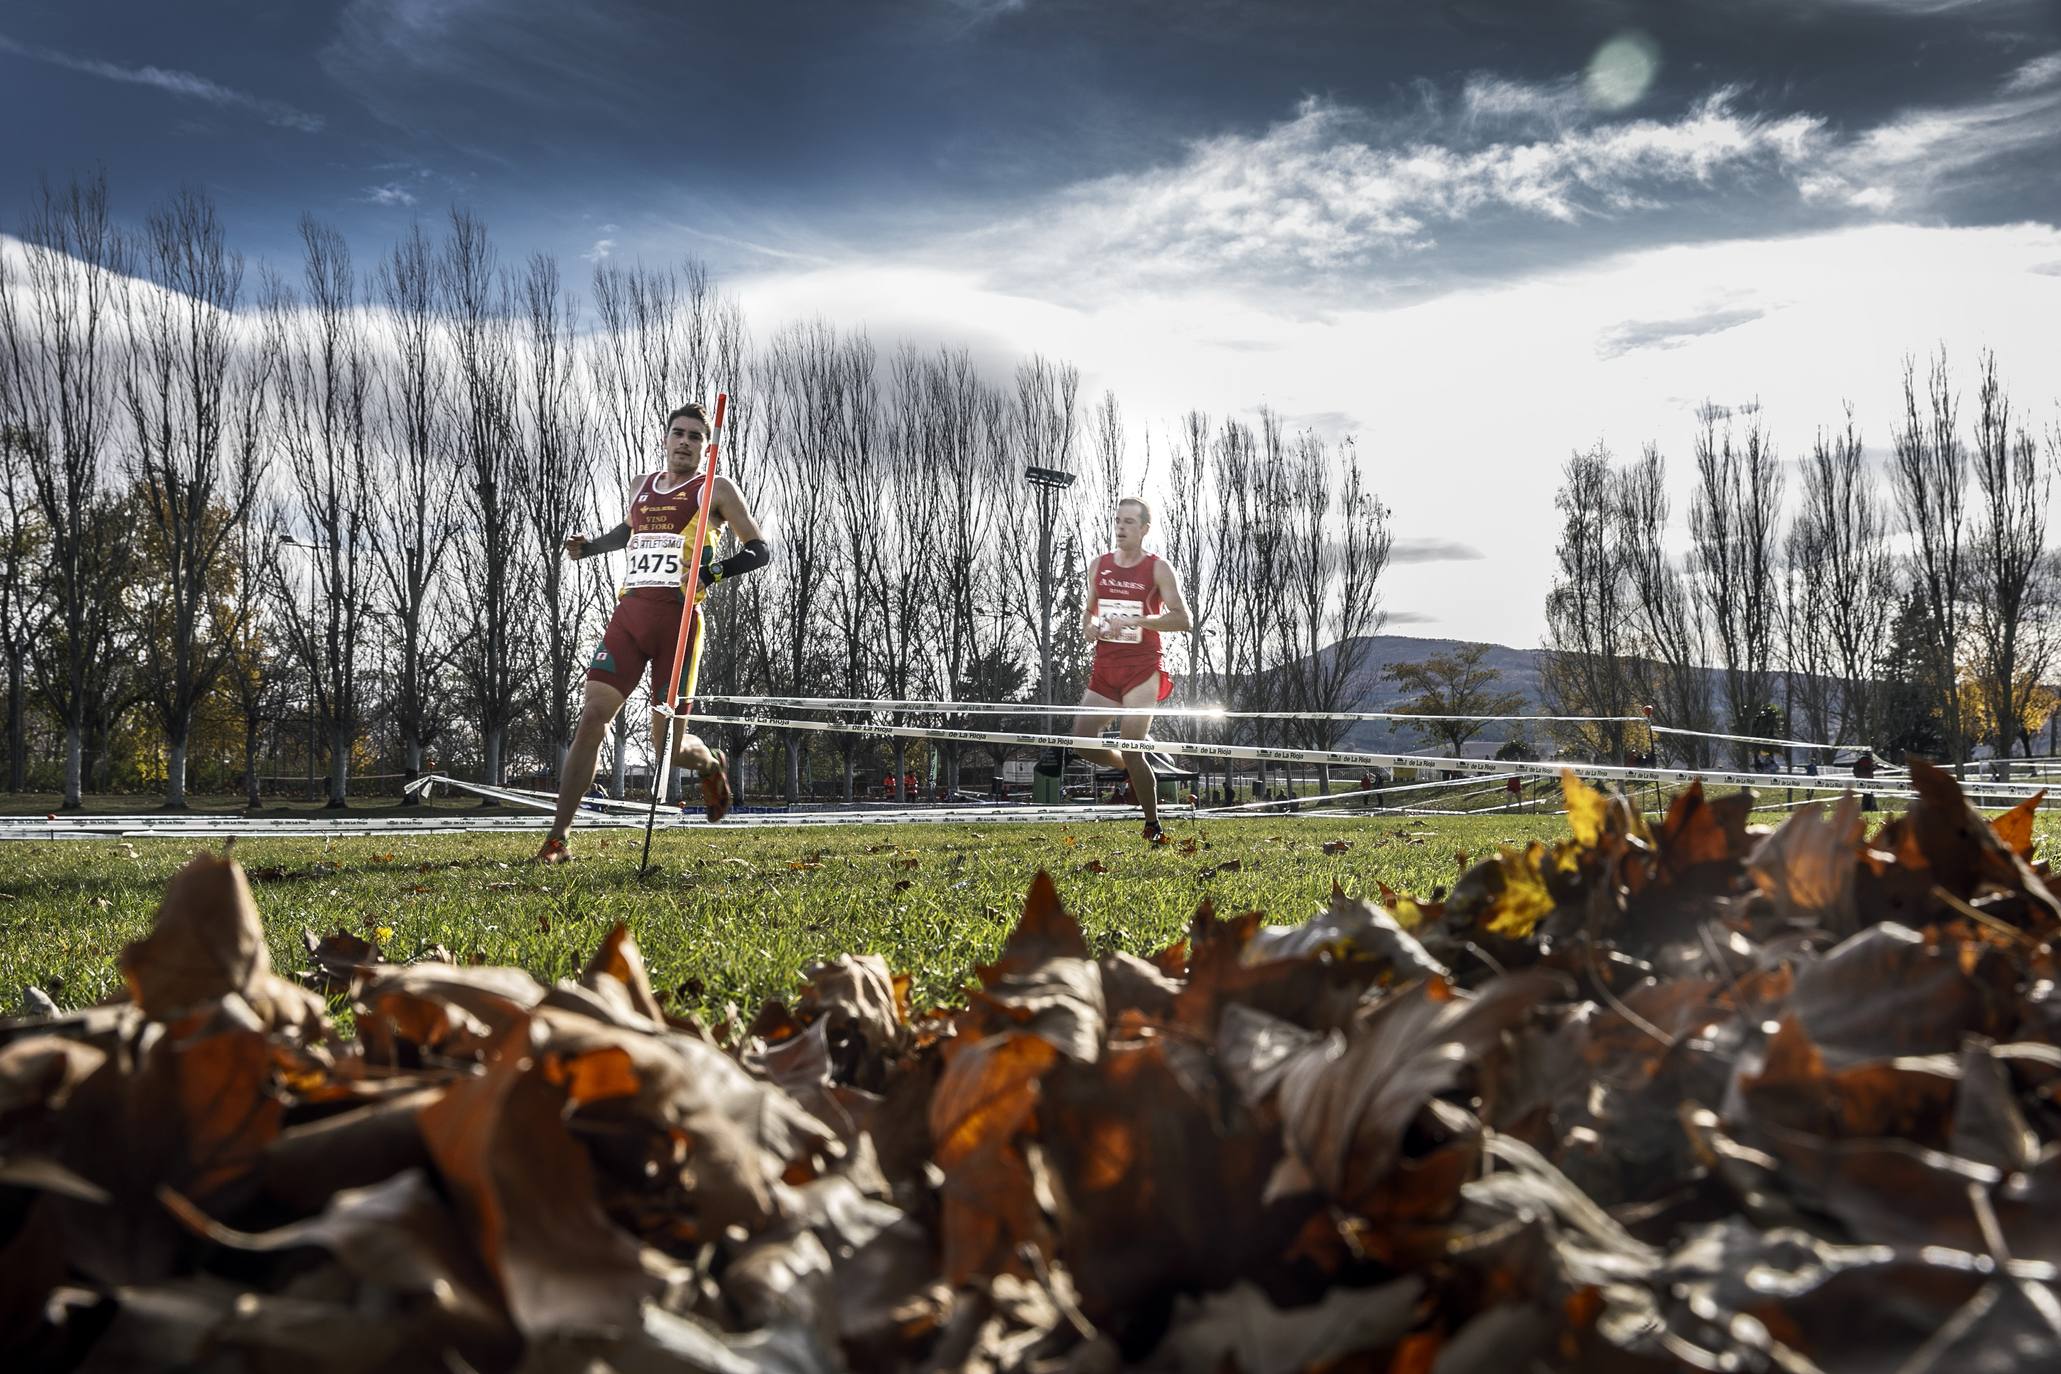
(1685, 1096)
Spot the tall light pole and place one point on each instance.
(1046, 484)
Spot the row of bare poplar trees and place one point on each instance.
(1905, 600)
(337, 497)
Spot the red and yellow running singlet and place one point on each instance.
(661, 523)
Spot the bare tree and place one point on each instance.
(1857, 590)
(196, 404)
(57, 392)
(911, 481)
(324, 384)
(1667, 628)
(21, 609)
(1735, 546)
(553, 476)
(842, 420)
(1807, 649)
(416, 518)
(1186, 528)
(495, 560)
(1930, 470)
(963, 442)
(738, 625)
(1046, 433)
(256, 665)
(1585, 669)
(1252, 555)
(2010, 573)
(1107, 441)
(798, 381)
(1337, 548)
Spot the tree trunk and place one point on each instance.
(74, 762)
(17, 734)
(902, 770)
(411, 754)
(496, 738)
(175, 771)
(791, 747)
(250, 764)
(1323, 779)
(339, 766)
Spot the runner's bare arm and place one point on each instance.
(580, 546)
(730, 507)
(1091, 619)
(1175, 617)
(586, 546)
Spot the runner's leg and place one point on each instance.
(1144, 785)
(1088, 725)
(597, 711)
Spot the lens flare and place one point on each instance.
(1621, 72)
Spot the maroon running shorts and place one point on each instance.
(643, 630)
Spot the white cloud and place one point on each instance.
(1323, 190)
(2035, 75)
(600, 251)
(1485, 98)
(1905, 161)
(391, 193)
(180, 83)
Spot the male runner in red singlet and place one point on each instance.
(646, 624)
(1133, 597)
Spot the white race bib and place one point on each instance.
(655, 560)
(1110, 606)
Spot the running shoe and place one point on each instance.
(553, 852)
(715, 786)
(1153, 834)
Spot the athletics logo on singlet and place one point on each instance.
(603, 660)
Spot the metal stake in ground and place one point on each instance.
(677, 705)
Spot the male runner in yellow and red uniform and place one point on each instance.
(646, 624)
(1133, 597)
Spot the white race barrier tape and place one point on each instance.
(1758, 739)
(1327, 798)
(1009, 708)
(1349, 759)
(1006, 708)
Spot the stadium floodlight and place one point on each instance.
(1046, 484)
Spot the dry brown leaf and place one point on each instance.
(984, 1100)
(525, 1191)
(205, 943)
(1807, 866)
(618, 957)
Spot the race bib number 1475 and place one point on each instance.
(655, 560)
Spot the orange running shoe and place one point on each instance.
(715, 786)
(553, 852)
(1153, 834)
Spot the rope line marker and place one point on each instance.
(1353, 759)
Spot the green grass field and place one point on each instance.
(731, 915)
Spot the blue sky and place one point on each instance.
(1474, 234)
